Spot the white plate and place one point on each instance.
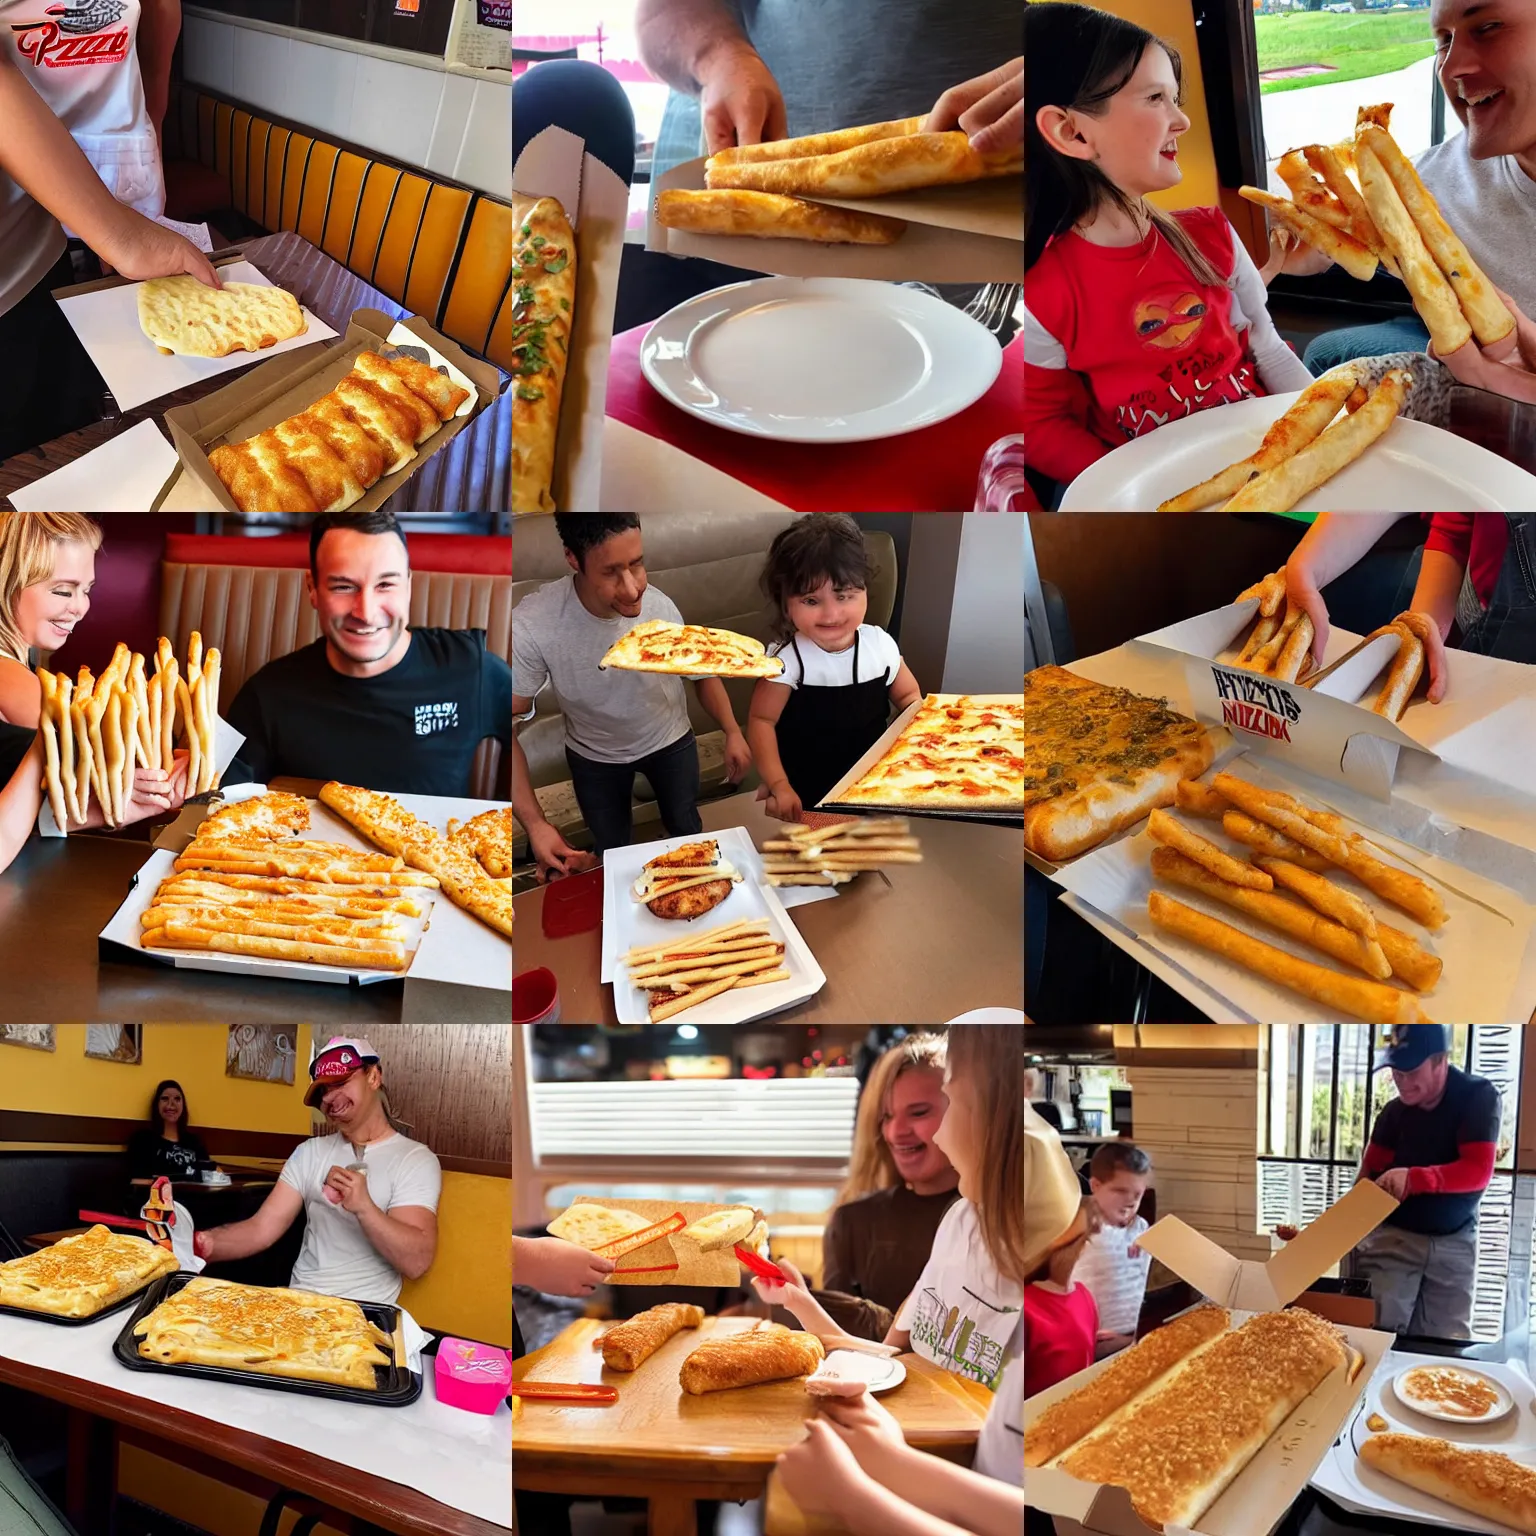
(1506, 1398)
(878, 1373)
(1412, 467)
(820, 359)
(627, 924)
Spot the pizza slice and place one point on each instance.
(690, 650)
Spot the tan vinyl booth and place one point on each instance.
(709, 564)
(255, 613)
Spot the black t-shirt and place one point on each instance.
(411, 730)
(1427, 1138)
(151, 1156)
(15, 742)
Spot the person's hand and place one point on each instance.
(140, 248)
(567, 1270)
(203, 1245)
(739, 100)
(776, 1295)
(868, 1429)
(820, 1473)
(555, 856)
(1508, 367)
(1434, 652)
(1301, 590)
(348, 1189)
(1280, 242)
(1395, 1182)
(990, 108)
(783, 802)
(738, 757)
(1301, 260)
(155, 791)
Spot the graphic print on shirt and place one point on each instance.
(1169, 323)
(959, 1342)
(87, 32)
(431, 718)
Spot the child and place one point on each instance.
(1112, 1266)
(1134, 316)
(1061, 1319)
(809, 725)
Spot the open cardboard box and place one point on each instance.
(971, 233)
(1256, 1501)
(282, 386)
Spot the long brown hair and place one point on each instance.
(871, 1167)
(988, 1059)
(1082, 57)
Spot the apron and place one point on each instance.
(1507, 627)
(80, 57)
(826, 728)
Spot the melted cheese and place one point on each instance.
(662, 882)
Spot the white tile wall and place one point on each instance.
(454, 124)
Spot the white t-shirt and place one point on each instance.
(879, 655)
(337, 1257)
(1118, 1283)
(963, 1312)
(1000, 1450)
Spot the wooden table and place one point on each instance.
(472, 474)
(48, 1239)
(660, 1443)
(916, 944)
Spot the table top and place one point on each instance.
(742, 1429)
(918, 945)
(471, 474)
(48, 1239)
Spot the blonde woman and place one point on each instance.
(47, 570)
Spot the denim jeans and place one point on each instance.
(1403, 333)
(605, 791)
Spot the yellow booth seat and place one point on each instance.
(442, 250)
(468, 1290)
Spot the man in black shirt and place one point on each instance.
(372, 702)
(1433, 1147)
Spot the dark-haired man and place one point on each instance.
(617, 723)
(372, 701)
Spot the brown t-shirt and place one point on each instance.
(873, 1253)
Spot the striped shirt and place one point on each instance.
(1118, 1282)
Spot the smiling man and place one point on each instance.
(372, 702)
(369, 1194)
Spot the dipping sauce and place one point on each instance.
(1375, 1423)
(1450, 1391)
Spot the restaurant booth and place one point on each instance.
(71, 1097)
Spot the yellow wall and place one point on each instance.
(65, 1081)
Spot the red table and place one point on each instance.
(930, 470)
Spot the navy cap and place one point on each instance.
(1413, 1045)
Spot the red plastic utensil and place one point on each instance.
(633, 1241)
(760, 1266)
(568, 1392)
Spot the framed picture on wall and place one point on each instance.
(115, 1042)
(263, 1052)
(38, 1037)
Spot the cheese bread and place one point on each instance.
(772, 216)
(720, 1229)
(900, 164)
(184, 315)
(590, 1226)
(81, 1275)
(543, 313)
(487, 838)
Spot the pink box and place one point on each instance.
(475, 1377)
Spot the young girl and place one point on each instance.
(809, 725)
(1134, 317)
(963, 1313)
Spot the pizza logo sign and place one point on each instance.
(1255, 705)
(86, 33)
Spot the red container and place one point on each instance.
(536, 997)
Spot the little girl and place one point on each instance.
(1134, 317)
(813, 722)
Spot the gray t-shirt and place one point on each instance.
(337, 1258)
(1491, 204)
(610, 716)
(841, 63)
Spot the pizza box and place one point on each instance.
(830, 802)
(628, 925)
(555, 163)
(672, 1260)
(1488, 887)
(971, 233)
(449, 944)
(104, 314)
(285, 385)
(1262, 1493)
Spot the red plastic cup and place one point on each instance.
(536, 997)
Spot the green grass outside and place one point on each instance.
(1369, 43)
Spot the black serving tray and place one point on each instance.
(81, 1322)
(397, 1385)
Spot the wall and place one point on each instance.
(986, 623)
(452, 1083)
(450, 121)
(66, 1082)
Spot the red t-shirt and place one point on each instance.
(1145, 342)
(1478, 542)
(1059, 1334)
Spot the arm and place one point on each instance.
(20, 801)
(904, 690)
(404, 1237)
(768, 701)
(552, 854)
(1434, 595)
(1477, 1147)
(1279, 368)
(1329, 548)
(1057, 441)
(557, 1267)
(949, 1493)
(525, 804)
(159, 27)
(738, 757)
(21, 695)
(242, 1238)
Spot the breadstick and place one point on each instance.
(187, 698)
(93, 713)
(116, 750)
(1373, 1001)
(168, 713)
(194, 655)
(140, 691)
(77, 715)
(1320, 892)
(1172, 834)
(1244, 829)
(1275, 910)
(130, 706)
(63, 692)
(46, 718)
(1267, 654)
(1259, 636)
(1402, 676)
(213, 671)
(1197, 799)
(156, 716)
(661, 1011)
(1413, 895)
(1409, 960)
(1295, 650)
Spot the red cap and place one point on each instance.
(341, 1057)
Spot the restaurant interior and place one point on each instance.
(110, 1457)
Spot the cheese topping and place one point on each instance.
(662, 882)
(1451, 1391)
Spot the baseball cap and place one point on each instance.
(1413, 1045)
(1052, 1195)
(343, 1055)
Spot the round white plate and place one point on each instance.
(879, 1373)
(1411, 467)
(820, 359)
(1505, 1402)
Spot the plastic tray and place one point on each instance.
(397, 1385)
(95, 1317)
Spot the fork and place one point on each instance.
(994, 304)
